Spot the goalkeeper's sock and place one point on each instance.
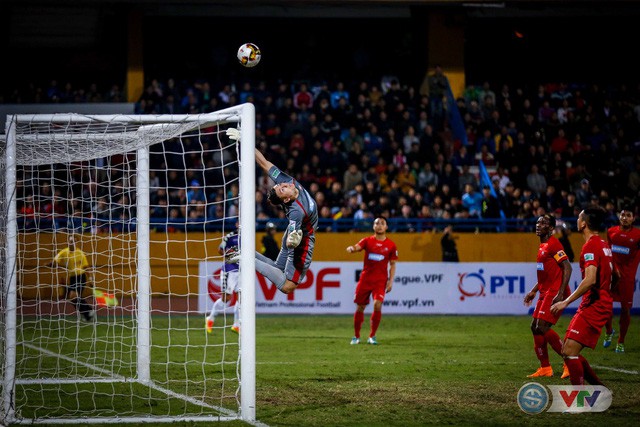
(271, 272)
(375, 322)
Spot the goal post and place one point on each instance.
(147, 199)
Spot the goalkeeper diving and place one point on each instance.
(298, 241)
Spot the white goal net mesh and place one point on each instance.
(94, 345)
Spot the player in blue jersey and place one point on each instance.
(229, 277)
(298, 241)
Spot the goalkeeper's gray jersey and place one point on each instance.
(302, 213)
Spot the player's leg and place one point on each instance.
(266, 259)
(361, 298)
(540, 348)
(571, 351)
(233, 287)
(376, 315)
(580, 334)
(625, 321)
(295, 269)
(76, 287)
(609, 331)
(220, 305)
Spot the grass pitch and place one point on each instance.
(426, 370)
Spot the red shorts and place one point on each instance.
(543, 308)
(583, 332)
(624, 293)
(364, 294)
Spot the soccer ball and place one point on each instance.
(249, 55)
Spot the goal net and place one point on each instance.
(147, 200)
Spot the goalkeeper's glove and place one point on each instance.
(293, 239)
(233, 134)
(223, 245)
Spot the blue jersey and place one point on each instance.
(230, 243)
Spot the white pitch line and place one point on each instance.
(623, 371)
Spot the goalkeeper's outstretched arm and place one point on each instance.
(234, 134)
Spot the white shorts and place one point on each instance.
(230, 282)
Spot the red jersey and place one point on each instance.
(550, 256)
(597, 302)
(377, 254)
(625, 245)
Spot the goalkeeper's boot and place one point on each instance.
(372, 340)
(607, 339)
(620, 348)
(355, 341)
(235, 329)
(543, 371)
(208, 322)
(565, 371)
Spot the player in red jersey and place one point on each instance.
(596, 265)
(376, 279)
(554, 272)
(624, 240)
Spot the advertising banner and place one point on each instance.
(419, 288)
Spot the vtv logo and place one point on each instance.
(586, 398)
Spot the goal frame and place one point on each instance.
(245, 114)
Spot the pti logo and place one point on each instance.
(533, 398)
(471, 285)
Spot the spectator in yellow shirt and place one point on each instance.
(75, 262)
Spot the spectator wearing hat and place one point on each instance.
(583, 194)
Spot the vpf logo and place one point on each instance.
(471, 284)
(214, 287)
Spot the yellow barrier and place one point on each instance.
(174, 263)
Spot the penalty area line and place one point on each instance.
(623, 371)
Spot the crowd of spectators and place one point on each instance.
(387, 148)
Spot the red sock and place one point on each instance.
(358, 318)
(589, 374)
(576, 371)
(375, 322)
(625, 320)
(540, 346)
(554, 341)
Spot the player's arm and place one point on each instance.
(354, 248)
(590, 276)
(566, 276)
(234, 134)
(392, 275)
(531, 295)
(264, 164)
